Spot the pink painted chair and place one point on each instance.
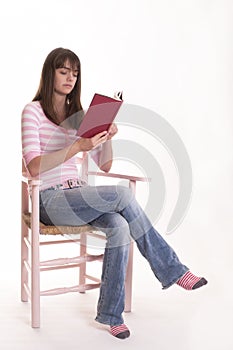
(31, 243)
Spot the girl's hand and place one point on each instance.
(87, 144)
(112, 131)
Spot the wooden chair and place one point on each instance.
(31, 243)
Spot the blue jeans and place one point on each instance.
(115, 211)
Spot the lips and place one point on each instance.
(68, 85)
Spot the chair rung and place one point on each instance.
(64, 290)
(96, 235)
(59, 267)
(27, 242)
(76, 260)
(26, 264)
(60, 242)
(27, 290)
(92, 278)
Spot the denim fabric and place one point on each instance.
(115, 211)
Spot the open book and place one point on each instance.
(100, 114)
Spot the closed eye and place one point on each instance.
(65, 70)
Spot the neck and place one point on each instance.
(59, 102)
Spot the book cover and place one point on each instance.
(100, 115)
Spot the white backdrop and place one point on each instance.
(173, 57)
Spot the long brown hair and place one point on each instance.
(56, 59)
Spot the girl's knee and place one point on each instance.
(126, 195)
(116, 230)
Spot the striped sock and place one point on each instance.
(190, 281)
(120, 331)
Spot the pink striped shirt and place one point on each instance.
(41, 136)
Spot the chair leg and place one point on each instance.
(24, 248)
(129, 272)
(128, 280)
(83, 251)
(24, 257)
(35, 261)
(35, 283)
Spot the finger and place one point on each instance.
(99, 135)
(100, 141)
(114, 129)
(103, 139)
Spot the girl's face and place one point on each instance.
(65, 79)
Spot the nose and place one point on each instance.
(70, 76)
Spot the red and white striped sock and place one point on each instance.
(189, 281)
(120, 331)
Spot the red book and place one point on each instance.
(100, 115)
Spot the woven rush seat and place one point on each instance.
(58, 230)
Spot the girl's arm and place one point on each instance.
(105, 159)
(48, 161)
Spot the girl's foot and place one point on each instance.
(190, 281)
(120, 331)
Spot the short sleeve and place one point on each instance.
(30, 133)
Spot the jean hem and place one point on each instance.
(108, 322)
(175, 280)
